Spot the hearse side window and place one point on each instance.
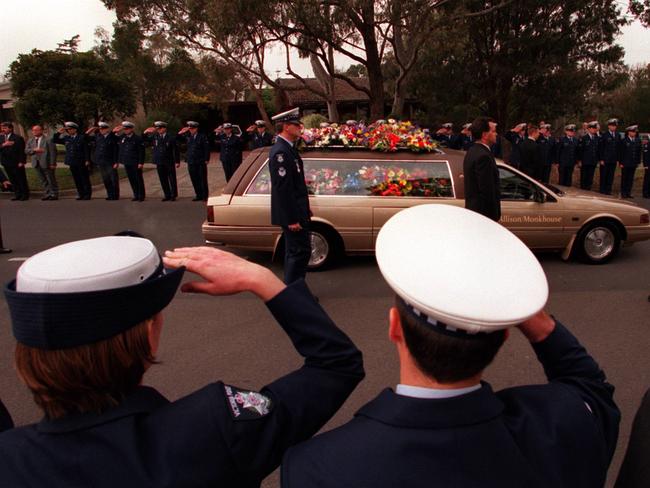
(368, 178)
(514, 187)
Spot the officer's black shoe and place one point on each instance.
(25, 199)
(173, 199)
(79, 198)
(166, 199)
(87, 198)
(46, 198)
(141, 199)
(4, 250)
(197, 199)
(15, 199)
(134, 199)
(52, 197)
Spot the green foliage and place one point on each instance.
(52, 87)
(641, 9)
(313, 121)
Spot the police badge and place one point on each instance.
(246, 404)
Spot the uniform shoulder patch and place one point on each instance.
(247, 404)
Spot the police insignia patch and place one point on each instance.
(280, 158)
(246, 404)
(282, 171)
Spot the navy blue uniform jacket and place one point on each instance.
(561, 434)
(568, 151)
(548, 146)
(263, 140)
(610, 147)
(482, 183)
(76, 149)
(105, 149)
(289, 193)
(231, 148)
(130, 150)
(630, 152)
(216, 436)
(164, 149)
(590, 150)
(197, 148)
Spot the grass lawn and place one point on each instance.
(64, 178)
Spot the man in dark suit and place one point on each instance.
(610, 149)
(531, 154)
(166, 157)
(130, 153)
(103, 145)
(13, 158)
(442, 426)
(590, 157)
(481, 175)
(77, 157)
(568, 154)
(548, 146)
(289, 196)
(197, 157)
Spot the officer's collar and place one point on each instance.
(291, 144)
(143, 399)
(393, 409)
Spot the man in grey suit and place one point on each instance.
(42, 152)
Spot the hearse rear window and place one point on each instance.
(368, 178)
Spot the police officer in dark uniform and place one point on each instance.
(103, 145)
(590, 157)
(107, 429)
(515, 137)
(259, 136)
(166, 157)
(630, 158)
(232, 146)
(646, 167)
(131, 155)
(465, 139)
(289, 195)
(77, 157)
(197, 157)
(548, 146)
(445, 136)
(442, 425)
(610, 148)
(568, 154)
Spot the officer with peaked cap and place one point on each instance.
(197, 157)
(590, 157)
(610, 148)
(515, 137)
(88, 328)
(631, 152)
(166, 157)
(466, 140)
(77, 157)
(103, 146)
(442, 425)
(259, 136)
(548, 146)
(130, 153)
(568, 154)
(231, 147)
(290, 196)
(445, 136)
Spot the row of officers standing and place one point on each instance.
(107, 149)
(534, 150)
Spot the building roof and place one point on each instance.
(297, 95)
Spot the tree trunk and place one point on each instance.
(260, 106)
(327, 83)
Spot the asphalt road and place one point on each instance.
(236, 340)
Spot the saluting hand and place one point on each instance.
(223, 272)
(183, 130)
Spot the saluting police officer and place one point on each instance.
(231, 146)
(630, 159)
(88, 316)
(77, 157)
(590, 157)
(289, 195)
(166, 157)
(465, 139)
(568, 154)
(445, 136)
(442, 425)
(516, 136)
(104, 154)
(548, 146)
(259, 136)
(610, 149)
(197, 157)
(131, 155)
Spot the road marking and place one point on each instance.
(18, 259)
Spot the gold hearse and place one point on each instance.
(353, 192)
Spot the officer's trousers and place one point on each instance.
(566, 175)
(199, 176)
(297, 251)
(18, 179)
(111, 181)
(136, 180)
(627, 180)
(607, 178)
(587, 176)
(546, 174)
(646, 182)
(81, 178)
(167, 176)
